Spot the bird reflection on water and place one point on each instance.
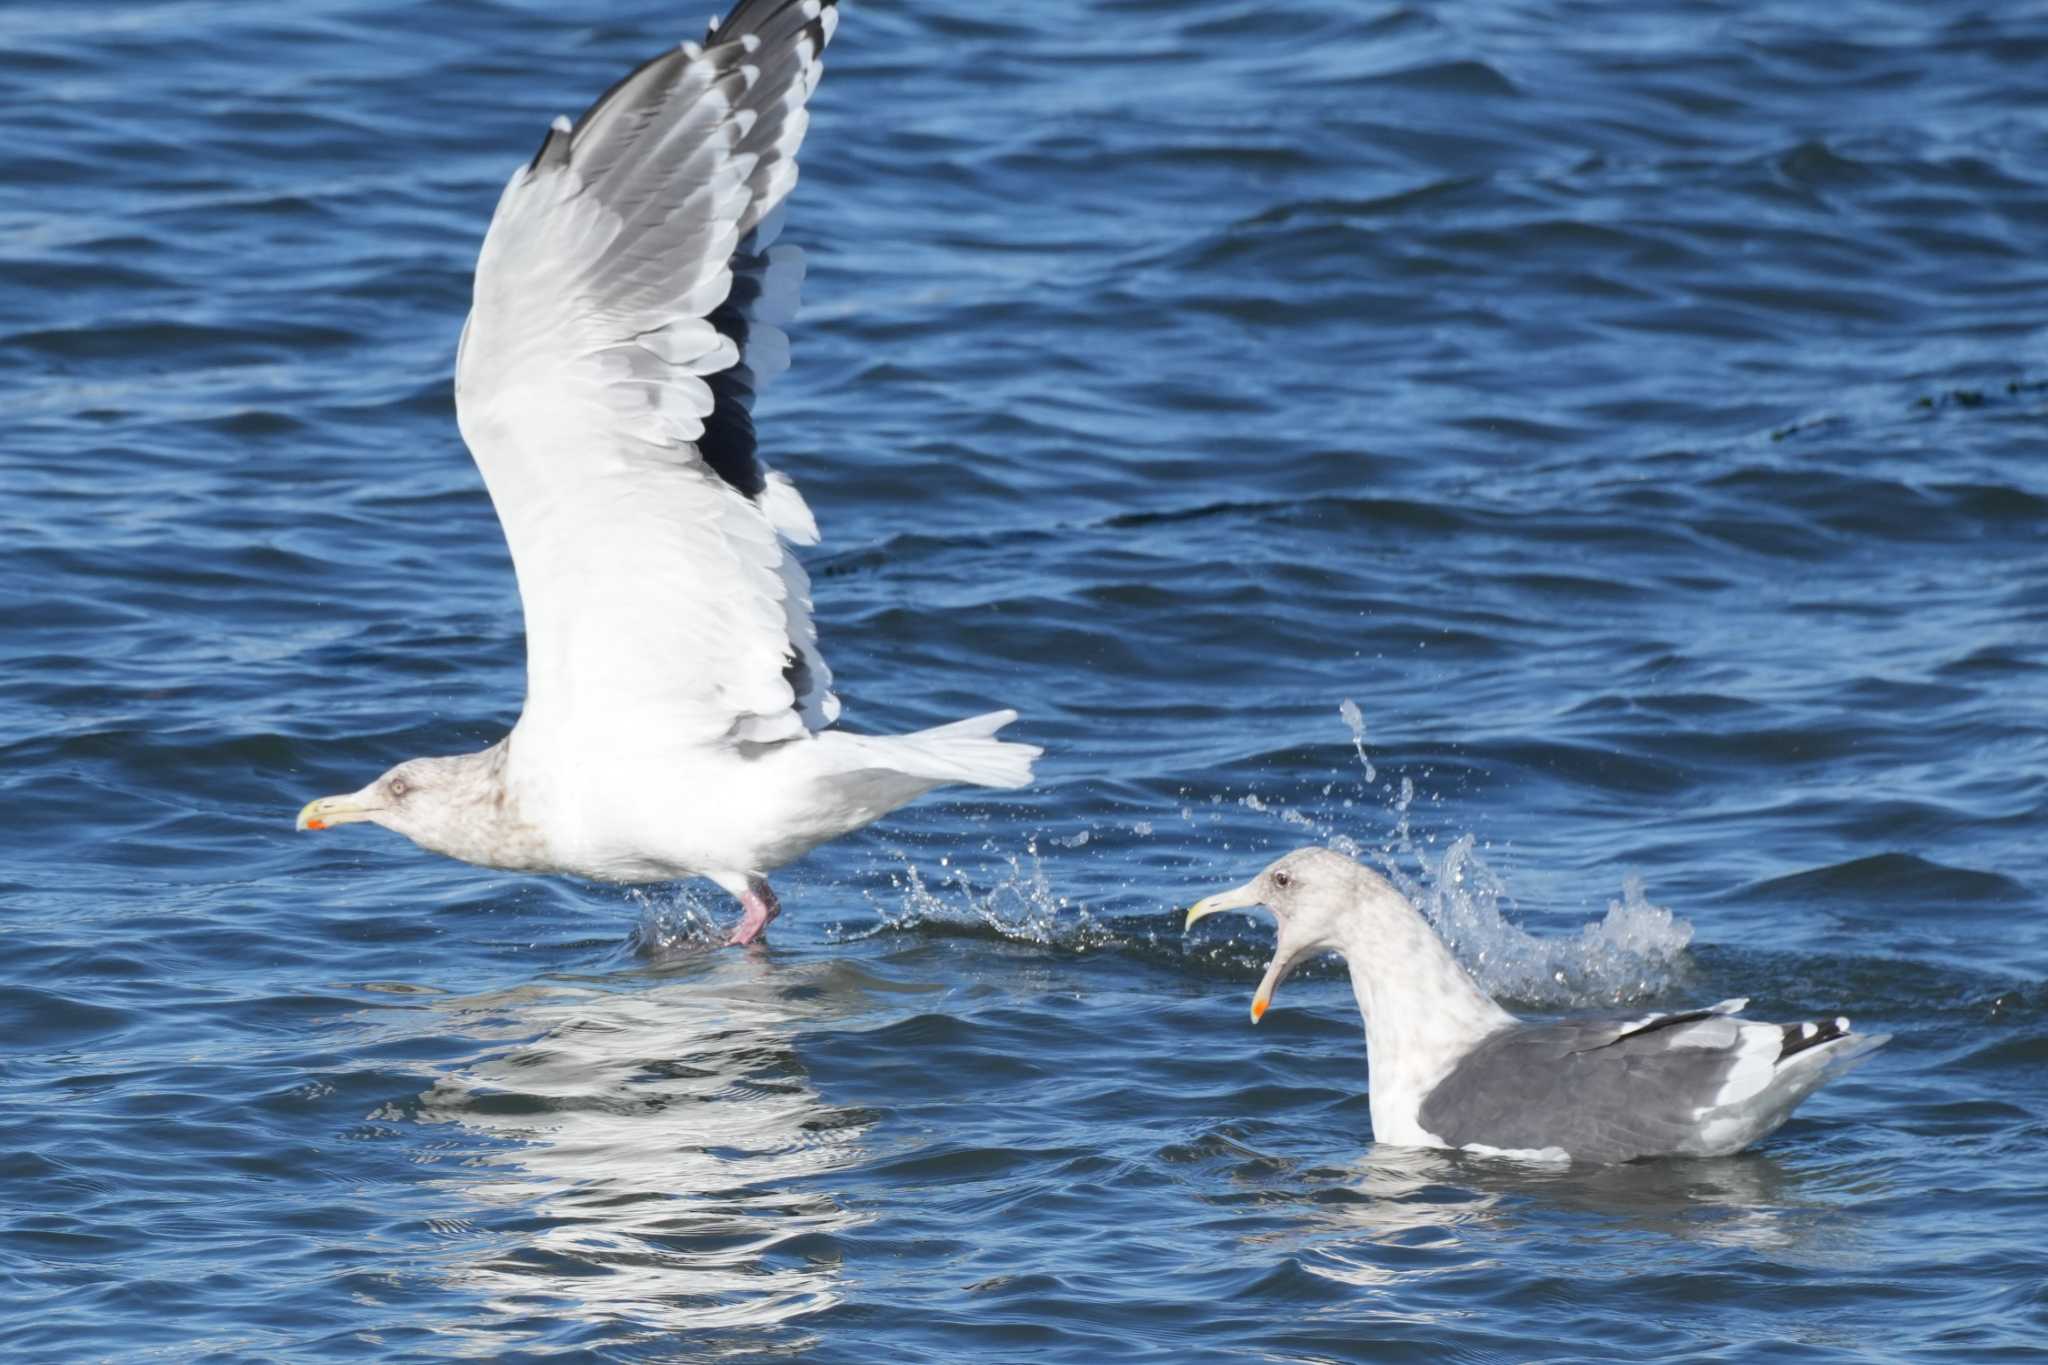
(664, 1147)
(1402, 1214)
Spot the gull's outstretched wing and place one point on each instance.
(628, 302)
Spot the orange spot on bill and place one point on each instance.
(1258, 1010)
(316, 824)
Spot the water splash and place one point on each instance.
(1355, 718)
(1630, 953)
(1633, 952)
(1019, 905)
(673, 923)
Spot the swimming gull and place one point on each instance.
(628, 302)
(1450, 1068)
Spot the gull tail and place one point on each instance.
(835, 782)
(966, 751)
(1801, 1059)
(871, 775)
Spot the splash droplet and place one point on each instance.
(1355, 718)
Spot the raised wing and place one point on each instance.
(628, 301)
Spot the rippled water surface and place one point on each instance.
(1636, 413)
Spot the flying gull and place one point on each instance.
(628, 302)
(1450, 1068)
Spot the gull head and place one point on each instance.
(439, 803)
(1314, 895)
(395, 800)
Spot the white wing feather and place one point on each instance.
(659, 595)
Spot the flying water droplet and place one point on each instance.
(1355, 718)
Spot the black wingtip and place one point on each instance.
(748, 15)
(1802, 1037)
(797, 673)
(554, 148)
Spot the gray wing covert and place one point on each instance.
(1599, 1092)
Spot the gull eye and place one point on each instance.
(398, 787)
(1281, 879)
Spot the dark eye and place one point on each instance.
(1281, 879)
(399, 787)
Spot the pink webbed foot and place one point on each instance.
(761, 907)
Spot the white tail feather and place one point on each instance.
(881, 772)
(966, 751)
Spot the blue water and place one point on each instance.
(1636, 412)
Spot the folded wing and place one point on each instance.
(629, 299)
(1614, 1090)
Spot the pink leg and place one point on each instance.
(761, 907)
